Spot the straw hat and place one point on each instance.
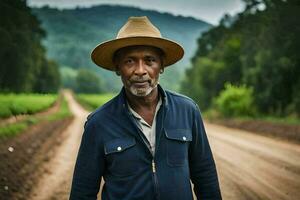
(136, 31)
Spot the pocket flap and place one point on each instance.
(184, 135)
(118, 145)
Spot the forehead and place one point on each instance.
(136, 50)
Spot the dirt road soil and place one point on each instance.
(250, 166)
(56, 183)
(22, 155)
(255, 167)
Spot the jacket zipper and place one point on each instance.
(155, 180)
(153, 166)
(153, 162)
(156, 194)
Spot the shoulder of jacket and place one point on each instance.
(100, 110)
(181, 97)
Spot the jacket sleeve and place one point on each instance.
(202, 166)
(89, 166)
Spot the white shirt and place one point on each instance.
(148, 130)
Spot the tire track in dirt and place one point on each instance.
(56, 183)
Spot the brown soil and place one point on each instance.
(252, 166)
(22, 155)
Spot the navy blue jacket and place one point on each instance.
(113, 147)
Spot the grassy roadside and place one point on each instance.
(18, 127)
(63, 112)
(212, 115)
(93, 101)
(286, 128)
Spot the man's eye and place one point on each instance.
(150, 60)
(129, 61)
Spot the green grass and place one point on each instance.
(63, 112)
(18, 127)
(93, 101)
(13, 129)
(288, 120)
(16, 104)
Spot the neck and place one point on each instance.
(147, 102)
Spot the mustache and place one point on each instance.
(139, 79)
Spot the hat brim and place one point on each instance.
(103, 54)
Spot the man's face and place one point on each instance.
(139, 68)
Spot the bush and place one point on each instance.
(235, 101)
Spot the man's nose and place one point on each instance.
(140, 69)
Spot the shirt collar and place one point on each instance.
(136, 115)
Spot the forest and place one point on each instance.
(246, 65)
(24, 66)
(250, 63)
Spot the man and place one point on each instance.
(146, 143)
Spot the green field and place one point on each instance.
(93, 101)
(18, 127)
(16, 104)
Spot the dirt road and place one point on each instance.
(249, 166)
(255, 167)
(56, 183)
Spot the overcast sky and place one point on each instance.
(208, 10)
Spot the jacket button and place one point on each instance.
(184, 138)
(119, 148)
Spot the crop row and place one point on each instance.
(16, 104)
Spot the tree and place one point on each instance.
(21, 53)
(48, 80)
(88, 82)
(259, 48)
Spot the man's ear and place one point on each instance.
(117, 70)
(162, 69)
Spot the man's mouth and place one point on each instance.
(141, 83)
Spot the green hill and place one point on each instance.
(73, 33)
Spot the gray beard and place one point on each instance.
(142, 92)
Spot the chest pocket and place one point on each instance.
(177, 146)
(121, 156)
